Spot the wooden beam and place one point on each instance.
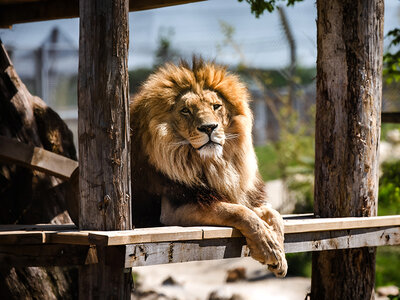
(147, 254)
(347, 131)
(15, 12)
(104, 140)
(45, 255)
(35, 158)
(68, 234)
(391, 117)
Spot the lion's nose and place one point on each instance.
(207, 128)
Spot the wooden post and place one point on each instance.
(104, 162)
(349, 87)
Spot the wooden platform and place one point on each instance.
(43, 245)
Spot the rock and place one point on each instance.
(385, 291)
(236, 274)
(149, 295)
(170, 281)
(224, 293)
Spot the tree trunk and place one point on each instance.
(349, 87)
(30, 197)
(104, 140)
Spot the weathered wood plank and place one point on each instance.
(14, 12)
(35, 158)
(21, 237)
(38, 227)
(163, 253)
(146, 235)
(44, 255)
(67, 233)
(322, 224)
(342, 239)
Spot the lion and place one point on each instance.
(193, 161)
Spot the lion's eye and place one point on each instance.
(217, 106)
(185, 111)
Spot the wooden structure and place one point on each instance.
(104, 245)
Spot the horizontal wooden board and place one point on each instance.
(342, 239)
(67, 234)
(162, 253)
(17, 11)
(44, 255)
(323, 224)
(35, 158)
(146, 235)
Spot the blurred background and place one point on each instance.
(275, 56)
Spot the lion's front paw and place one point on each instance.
(266, 247)
(273, 219)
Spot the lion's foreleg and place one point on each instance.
(264, 243)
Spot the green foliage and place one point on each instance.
(259, 6)
(268, 162)
(389, 189)
(392, 60)
(299, 264)
(388, 266)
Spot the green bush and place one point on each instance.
(389, 189)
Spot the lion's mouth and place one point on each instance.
(210, 142)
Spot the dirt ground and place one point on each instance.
(197, 280)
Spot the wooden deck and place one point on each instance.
(44, 245)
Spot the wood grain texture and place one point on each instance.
(104, 141)
(103, 99)
(348, 119)
(43, 255)
(68, 233)
(164, 253)
(35, 158)
(18, 11)
(152, 253)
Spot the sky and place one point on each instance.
(196, 30)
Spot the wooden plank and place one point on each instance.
(342, 239)
(162, 253)
(391, 117)
(322, 224)
(15, 12)
(38, 227)
(145, 235)
(21, 237)
(44, 255)
(147, 254)
(67, 233)
(35, 158)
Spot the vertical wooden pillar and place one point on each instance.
(349, 87)
(104, 162)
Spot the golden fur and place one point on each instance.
(191, 135)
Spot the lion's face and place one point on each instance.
(194, 124)
(200, 120)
